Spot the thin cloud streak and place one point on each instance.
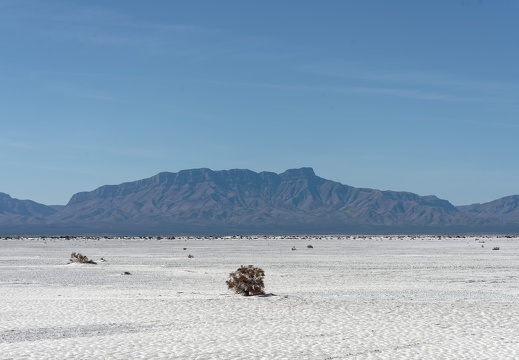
(437, 78)
(96, 97)
(395, 92)
(100, 147)
(491, 123)
(448, 87)
(14, 144)
(93, 25)
(78, 92)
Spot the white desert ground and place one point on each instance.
(348, 297)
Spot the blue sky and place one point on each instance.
(419, 96)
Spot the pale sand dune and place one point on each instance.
(347, 298)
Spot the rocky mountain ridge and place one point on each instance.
(295, 201)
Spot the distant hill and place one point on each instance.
(243, 201)
(504, 210)
(14, 211)
(242, 197)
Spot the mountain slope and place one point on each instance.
(22, 211)
(243, 198)
(504, 210)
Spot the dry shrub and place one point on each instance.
(247, 281)
(496, 248)
(82, 259)
(309, 246)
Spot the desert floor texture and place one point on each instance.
(348, 297)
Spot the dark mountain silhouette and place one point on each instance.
(243, 201)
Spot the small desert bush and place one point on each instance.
(495, 248)
(247, 281)
(82, 259)
(190, 256)
(309, 246)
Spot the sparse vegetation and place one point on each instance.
(79, 258)
(309, 246)
(190, 256)
(495, 248)
(293, 248)
(247, 281)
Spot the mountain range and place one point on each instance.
(202, 201)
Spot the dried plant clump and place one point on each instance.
(247, 281)
(309, 246)
(82, 259)
(79, 258)
(496, 248)
(190, 256)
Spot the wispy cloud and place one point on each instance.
(426, 77)
(426, 84)
(14, 143)
(400, 92)
(94, 96)
(406, 93)
(89, 24)
(74, 91)
(100, 147)
(491, 123)
(84, 24)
